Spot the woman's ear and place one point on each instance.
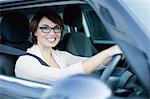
(35, 34)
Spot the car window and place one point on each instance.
(97, 30)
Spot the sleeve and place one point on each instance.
(72, 59)
(28, 67)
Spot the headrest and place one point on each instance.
(72, 16)
(15, 27)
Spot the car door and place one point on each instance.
(128, 34)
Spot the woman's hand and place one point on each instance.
(113, 51)
(100, 60)
(109, 52)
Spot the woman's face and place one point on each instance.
(48, 33)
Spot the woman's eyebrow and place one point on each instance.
(45, 25)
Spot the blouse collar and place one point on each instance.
(55, 53)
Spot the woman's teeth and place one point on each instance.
(51, 39)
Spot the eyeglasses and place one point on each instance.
(46, 29)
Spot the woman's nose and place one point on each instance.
(51, 32)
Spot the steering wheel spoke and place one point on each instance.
(110, 67)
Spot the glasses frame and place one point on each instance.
(51, 28)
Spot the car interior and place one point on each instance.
(72, 17)
(15, 36)
(83, 35)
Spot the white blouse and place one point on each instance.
(28, 67)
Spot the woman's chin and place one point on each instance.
(51, 45)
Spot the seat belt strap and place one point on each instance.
(17, 52)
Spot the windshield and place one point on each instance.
(140, 9)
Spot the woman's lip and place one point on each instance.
(51, 39)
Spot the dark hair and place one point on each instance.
(50, 14)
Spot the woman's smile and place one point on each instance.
(51, 39)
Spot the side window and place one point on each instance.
(96, 28)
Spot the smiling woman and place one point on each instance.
(41, 21)
(46, 28)
(88, 27)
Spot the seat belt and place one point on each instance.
(17, 52)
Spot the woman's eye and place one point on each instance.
(57, 28)
(45, 28)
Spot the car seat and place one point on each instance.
(15, 33)
(76, 42)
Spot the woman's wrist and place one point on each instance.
(108, 52)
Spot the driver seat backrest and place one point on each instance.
(15, 33)
(76, 42)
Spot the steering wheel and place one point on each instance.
(110, 67)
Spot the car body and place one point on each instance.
(105, 23)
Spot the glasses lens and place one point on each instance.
(58, 29)
(45, 29)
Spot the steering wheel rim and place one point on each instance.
(110, 67)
